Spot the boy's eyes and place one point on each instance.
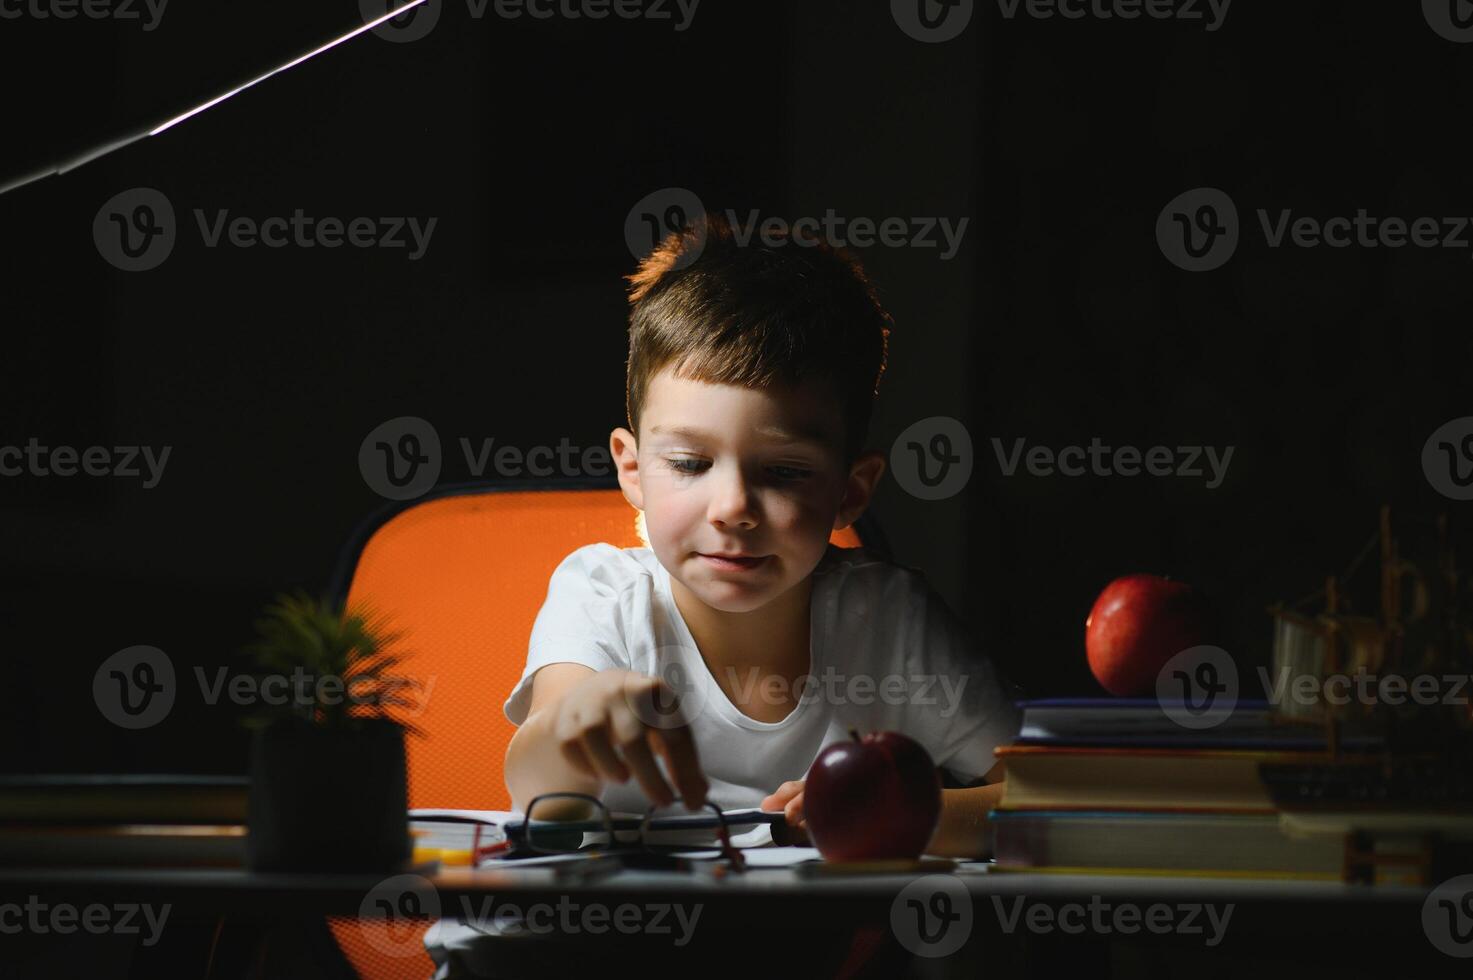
(691, 467)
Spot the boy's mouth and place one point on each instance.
(734, 562)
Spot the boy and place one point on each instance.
(752, 372)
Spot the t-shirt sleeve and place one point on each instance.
(582, 620)
(974, 706)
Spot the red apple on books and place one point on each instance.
(1138, 623)
(872, 798)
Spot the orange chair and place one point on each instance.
(462, 573)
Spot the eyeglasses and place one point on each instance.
(558, 823)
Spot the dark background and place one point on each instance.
(1059, 320)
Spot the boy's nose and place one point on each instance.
(732, 504)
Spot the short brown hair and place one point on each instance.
(772, 311)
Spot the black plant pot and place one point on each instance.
(328, 800)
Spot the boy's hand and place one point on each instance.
(789, 798)
(615, 721)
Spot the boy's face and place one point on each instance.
(726, 470)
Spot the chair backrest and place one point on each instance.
(462, 575)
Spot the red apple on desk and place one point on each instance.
(872, 798)
(1137, 624)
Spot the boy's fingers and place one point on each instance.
(642, 761)
(578, 759)
(595, 743)
(679, 751)
(629, 735)
(780, 796)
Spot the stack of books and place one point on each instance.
(1117, 786)
(122, 820)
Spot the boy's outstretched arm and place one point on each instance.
(584, 729)
(534, 762)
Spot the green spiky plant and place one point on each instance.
(299, 636)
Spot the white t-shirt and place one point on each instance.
(886, 655)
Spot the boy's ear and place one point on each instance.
(864, 476)
(625, 454)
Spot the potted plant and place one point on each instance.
(328, 789)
